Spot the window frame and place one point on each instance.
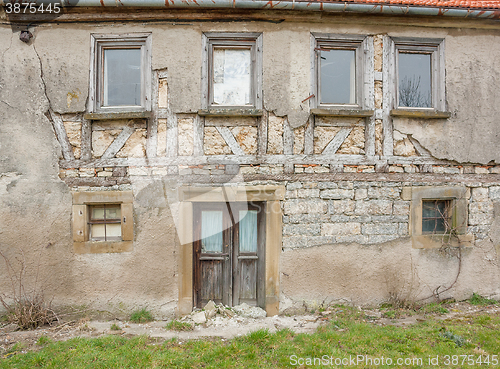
(99, 42)
(82, 206)
(252, 40)
(457, 196)
(432, 46)
(364, 65)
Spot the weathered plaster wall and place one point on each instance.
(35, 203)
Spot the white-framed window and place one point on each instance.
(340, 66)
(120, 73)
(419, 73)
(232, 70)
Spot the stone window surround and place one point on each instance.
(98, 41)
(271, 195)
(363, 45)
(458, 196)
(81, 208)
(211, 39)
(434, 46)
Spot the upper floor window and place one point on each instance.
(339, 68)
(419, 65)
(120, 73)
(232, 70)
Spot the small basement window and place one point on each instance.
(436, 216)
(105, 223)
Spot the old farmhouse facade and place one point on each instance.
(162, 154)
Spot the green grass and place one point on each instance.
(175, 325)
(115, 327)
(480, 300)
(141, 316)
(346, 335)
(43, 340)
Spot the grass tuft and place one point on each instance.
(480, 300)
(141, 316)
(175, 325)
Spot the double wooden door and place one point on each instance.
(229, 253)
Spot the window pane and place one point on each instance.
(435, 216)
(113, 212)
(232, 76)
(113, 231)
(97, 213)
(414, 81)
(97, 231)
(248, 231)
(338, 76)
(211, 231)
(122, 77)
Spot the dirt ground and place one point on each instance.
(221, 326)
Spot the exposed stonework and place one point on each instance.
(275, 134)
(102, 139)
(402, 145)
(298, 140)
(185, 129)
(323, 136)
(214, 144)
(354, 144)
(378, 52)
(378, 137)
(246, 138)
(135, 147)
(161, 146)
(74, 132)
(162, 93)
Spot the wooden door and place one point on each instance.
(229, 253)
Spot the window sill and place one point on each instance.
(230, 112)
(354, 113)
(421, 114)
(436, 241)
(117, 115)
(96, 247)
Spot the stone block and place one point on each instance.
(340, 229)
(306, 218)
(138, 171)
(185, 129)
(87, 172)
(293, 186)
(341, 207)
(396, 169)
(291, 194)
(384, 192)
(401, 208)
(305, 206)
(358, 238)
(308, 193)
(311, 229)
(360, 193)
(327, 185)
(379, 228)
(494, 192)
(403, 229)
(481, 170)
(495, 169)
(104, 174)
(337, 194)
(480, 194)
(373, 207)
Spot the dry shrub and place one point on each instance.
(26, 306)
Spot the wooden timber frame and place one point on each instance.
(270, 196)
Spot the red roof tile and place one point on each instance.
(464, 4)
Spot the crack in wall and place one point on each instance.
(11, 38)
(42, 79)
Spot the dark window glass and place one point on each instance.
(338, 76)
(436, 216)
(122, 77)
(414, 81)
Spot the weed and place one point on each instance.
(115, 327)
(459, 341)
(391, 314)
(43, 340)
(141, 316)
(26, 307)
(175, 325)
(480, 300)
(434, 308)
